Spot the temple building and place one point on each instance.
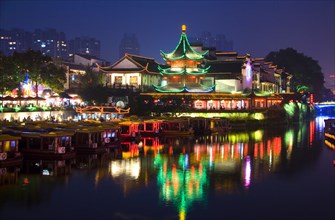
(133, 71)
(202, 79)
(185, 72)
(214, 80)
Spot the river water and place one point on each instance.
(277, 173)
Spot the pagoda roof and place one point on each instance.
(177, 88)
(189, 71)
(183, 50)
(131, 63)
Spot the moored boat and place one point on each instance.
(9, 154)
(176, 127)
(89, 140)
(129, 130)
(52, 145)
(150, 127)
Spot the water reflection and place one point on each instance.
(184, 170)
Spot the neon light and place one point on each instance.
(187, 51)
(248, 72)
(247, 174)
(17, 108)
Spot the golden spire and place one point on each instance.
(183, 28)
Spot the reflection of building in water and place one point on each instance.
(90, 161)
(185, 170)
(8, 175)
(48, 167)
(129, 149)
(130, 168)
(151, 145)
(126, 172)
(181, 182)
(238, 159)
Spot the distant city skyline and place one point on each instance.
(255, 27)
(49, 41)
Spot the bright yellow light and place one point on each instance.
(183, 28)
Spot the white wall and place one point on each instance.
(228, 85)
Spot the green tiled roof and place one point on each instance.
(168, 71)
(183, 51)
(184, 88)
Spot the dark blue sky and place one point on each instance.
(256, 27)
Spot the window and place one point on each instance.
(118, 79)
(133, 80)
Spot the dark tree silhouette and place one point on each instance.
(92, 89)
(305, 70)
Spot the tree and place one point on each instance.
(92, 89)
(53, 76)
(40, 68)
(305, 70)
(32, 62)
(10, 74)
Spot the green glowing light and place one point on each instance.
(178, 185)
(17, 108)
(1, 108)
(44, 108)
(185, 50)
(290, 109)
(31, 108)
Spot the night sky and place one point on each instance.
(256, 27)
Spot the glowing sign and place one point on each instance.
(248, 72)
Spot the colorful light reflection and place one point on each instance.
(181, 183)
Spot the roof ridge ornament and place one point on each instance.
(183, 28)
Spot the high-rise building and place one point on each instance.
(220, 42)
(50, 42)
(84, 45)
(129, 44)
(15, 40)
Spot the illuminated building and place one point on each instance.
(50, 42)
(132, 71)
(201, 79)
(185, 73)
(225, 81)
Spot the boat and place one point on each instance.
(150, 127)
(52, 145)
(9, 153)
(129, 130)
(111, 134)
(89, 140)
(176, 127)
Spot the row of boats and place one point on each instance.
(58, 141)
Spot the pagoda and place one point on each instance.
(184, 70)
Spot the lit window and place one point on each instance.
(118, 79)
(133, 80)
